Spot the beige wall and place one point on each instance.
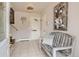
(73, 24)
(23, 29)
(47, 20)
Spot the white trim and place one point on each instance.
(18, 40)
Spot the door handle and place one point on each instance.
(34, 30)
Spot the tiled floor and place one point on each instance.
(27, 49)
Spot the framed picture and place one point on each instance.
(11, 16)
(61, 16)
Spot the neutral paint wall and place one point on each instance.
(73, 24)
(24, 29)
(47, 20)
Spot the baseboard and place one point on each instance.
(18, 40)
(21, 40)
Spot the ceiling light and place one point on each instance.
(30, 8)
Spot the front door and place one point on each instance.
(35, 27)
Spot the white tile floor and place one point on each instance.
(27, 49)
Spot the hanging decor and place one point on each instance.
(61, 16)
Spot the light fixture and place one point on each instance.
(30, 8)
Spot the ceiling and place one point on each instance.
(38, 7)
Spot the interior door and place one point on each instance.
(35, 27)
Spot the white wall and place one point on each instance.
(73, 22)
(47, 20)
(73, 25)
(24, 29)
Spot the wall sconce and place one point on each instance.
(23, 19)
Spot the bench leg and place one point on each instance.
(54, 53)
